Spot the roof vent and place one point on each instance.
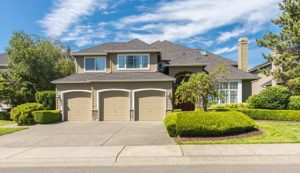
(203, 52)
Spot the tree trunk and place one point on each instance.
(204, 105)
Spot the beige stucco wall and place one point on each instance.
(257, 84)
(111, 63)
(174, 70)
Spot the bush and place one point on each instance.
(276, 97)
(294, 103)
(213, 123)
(278, 115)
(46, 98)
(46, 116)
(227, 106)
(170, 123)
(4, 116)
(22, 114)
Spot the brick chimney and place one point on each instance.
(243, 54)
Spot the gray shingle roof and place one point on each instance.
(135, 45)
(3, 59)
(114, 77)
(170, 53)
(262, 65)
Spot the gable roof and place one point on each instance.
(135, 45)
(259, 66)
(114, 77)
(3, 59)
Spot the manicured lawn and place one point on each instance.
(274, 132)
(4, 131)
(6, 122)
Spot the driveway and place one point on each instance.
(67, 134)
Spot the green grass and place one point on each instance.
(6, 122)
(274, 132)
(4, 131)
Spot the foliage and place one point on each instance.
(285, 46)
(22, 114)
(273, 132)
(46, 116)
(275, 97)
(170, 123)
(228, 106)
(278, 115)
(4, 131)
(213, 123)
(4, 116)
(33, 63)
(46, 98)
(199, 87)
(294, 103)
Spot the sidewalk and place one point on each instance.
(150, 155)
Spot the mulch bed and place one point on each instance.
(234, 136)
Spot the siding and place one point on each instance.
(246, 89)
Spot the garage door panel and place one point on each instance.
(114, 106)
(78, 106)
(150, 105)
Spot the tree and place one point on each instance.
(33, 63)
(285, 46)
(199, 87)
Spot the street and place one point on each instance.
(248, 168)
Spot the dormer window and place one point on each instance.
(133, 62)
(95, 64)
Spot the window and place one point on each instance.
(229, 91)
(95, 64)
(133, 62)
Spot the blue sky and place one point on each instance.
(213, 25)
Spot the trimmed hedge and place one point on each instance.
(46, 98)
(212, 123)
(294, 103)
(4, 116)
(170, 123)
(22, 114)
(278, 115)
(275, 97)
(46, 116)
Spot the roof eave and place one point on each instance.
(91, 81)
(133, 51)
(87, 54)
(183, 65)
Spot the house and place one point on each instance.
(135, 81)
(3, 61)
(264, 81)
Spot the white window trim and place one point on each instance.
(129, 69)
(95, 64)
(239, 91)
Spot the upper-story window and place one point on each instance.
(133, 61)
(95, 64)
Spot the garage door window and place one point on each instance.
(95, 64)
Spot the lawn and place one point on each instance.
(274, 132)
(6, 122)
(4, 131)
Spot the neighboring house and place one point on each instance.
(131, 81)
(3, 61)
(264, 81)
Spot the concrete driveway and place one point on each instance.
(67, 134)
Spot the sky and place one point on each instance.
(212, 25)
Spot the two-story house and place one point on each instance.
(3, 61)
(134, 81)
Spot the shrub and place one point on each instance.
(46, 98)
(22, 114)
(279, 115)
(227, 106)
(294, 103)
(4, 116)
(213, 123)
(46, 116)
(170, 123)
(276, 97)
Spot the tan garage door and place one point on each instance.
(114, 106)
(149, 105)
(78, 106)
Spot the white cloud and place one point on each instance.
(179, 19)
(225, 50)
(65, 13)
